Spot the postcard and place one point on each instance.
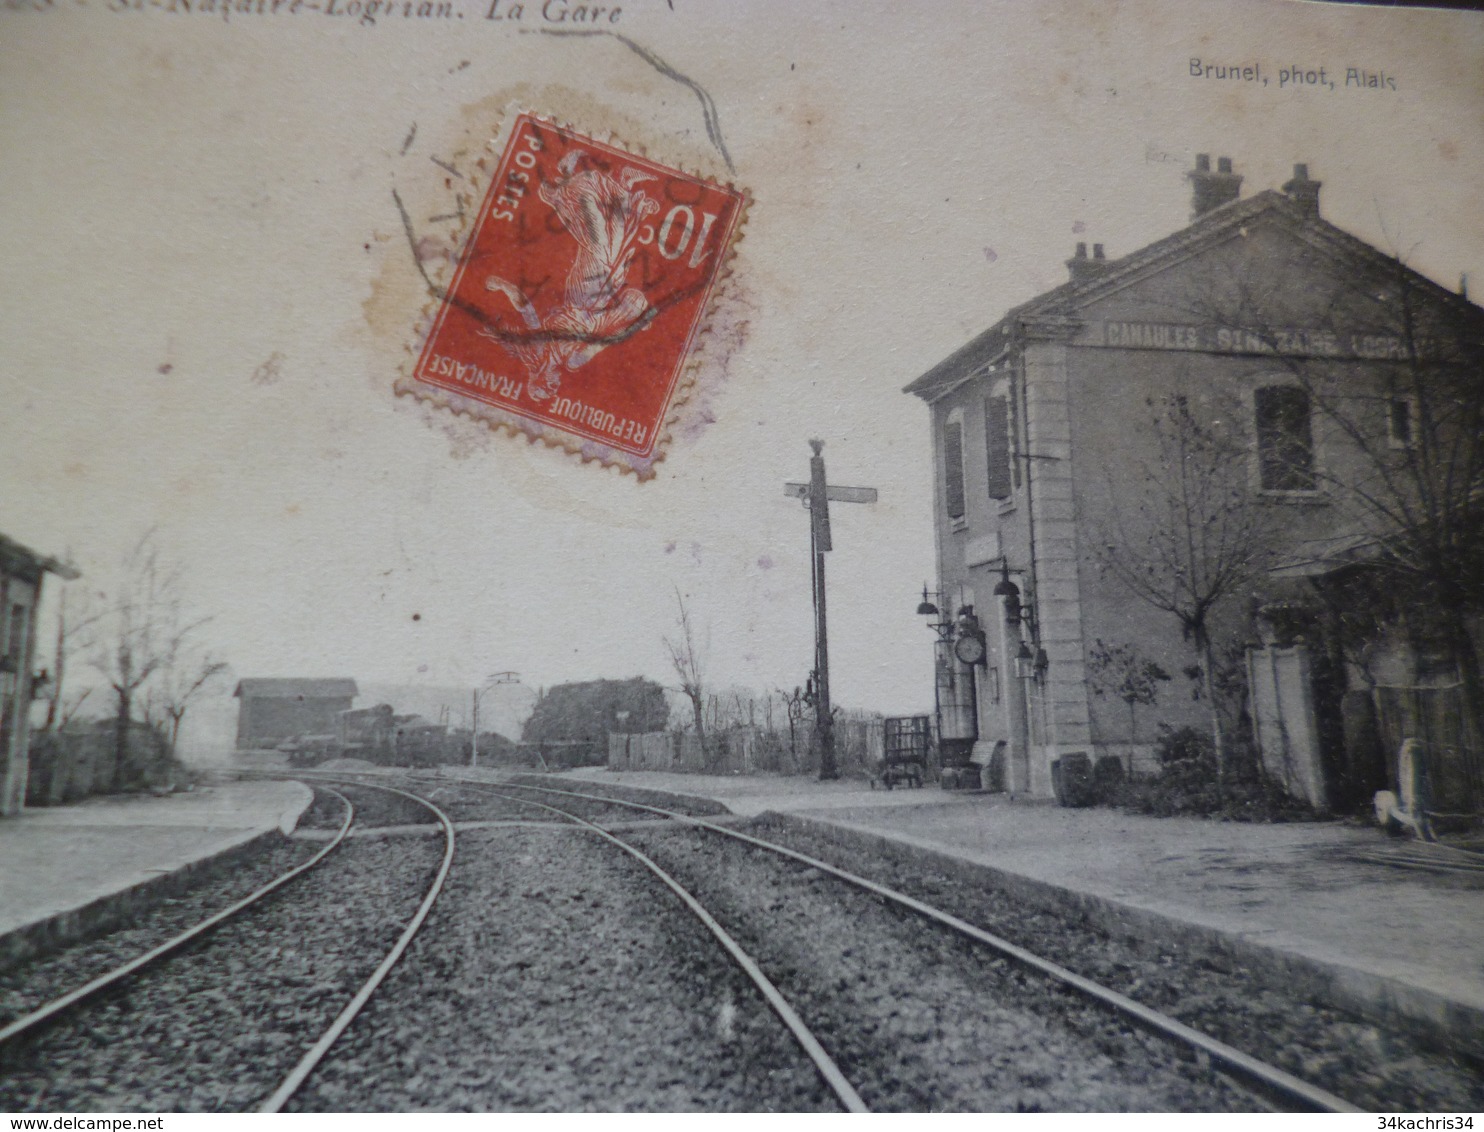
(978, 428)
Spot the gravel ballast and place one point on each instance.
(474, 802)
(555, 974)
(215, 1028)
(1372, 1068)
(696, 807)
(918, 1019)
(32, 984)
(35, 982)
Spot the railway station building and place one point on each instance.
(21, 574)
(1301, 356)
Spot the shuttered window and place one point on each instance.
(1015, 461)
(997, 446)
(953, 469)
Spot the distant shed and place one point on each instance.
(273, 710)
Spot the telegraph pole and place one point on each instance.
(491, 681)
(819, 539)
(816, 495)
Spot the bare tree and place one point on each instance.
(1194, 538)
(768, 725)
(138, 636)
(795, 707)
(181, 681)
(688, 658)
(1120, 671)
(1394, 376)
(75, 619)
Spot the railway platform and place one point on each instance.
(71, 870)
(1389, 929)
(1347, 917)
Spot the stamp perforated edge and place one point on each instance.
(691, 367)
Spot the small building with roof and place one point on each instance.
(274, 709)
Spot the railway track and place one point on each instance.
(829, 1072)
(32, 1026)
(748, 940)
(1264, 1080)
(316, 1053)
(845, 1094)
(38, 1018)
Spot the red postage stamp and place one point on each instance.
(581, 289)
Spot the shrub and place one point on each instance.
(1108, 777)
(1187, 785)
(1182, 787)
(1184, 744)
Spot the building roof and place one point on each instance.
(18, 559)
(1314, 557)
(1207, 230)
(323, 688)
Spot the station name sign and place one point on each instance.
(1291, 341)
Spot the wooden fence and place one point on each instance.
(74, 762)
(748, 750)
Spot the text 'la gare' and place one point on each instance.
(556, 12)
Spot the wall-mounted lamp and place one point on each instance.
(925, 608)
(940, 624)
(1008, 590)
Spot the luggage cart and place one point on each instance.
(908, 747)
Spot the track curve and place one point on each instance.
(316, 1053)
(844, 1091)
(38, 1018)
(1270, 1079)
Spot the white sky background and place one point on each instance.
(198, 194)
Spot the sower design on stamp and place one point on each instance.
(598, 308)
(582, 288)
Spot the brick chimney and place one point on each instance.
(1081, 268)
(1212, 190)
(1302, 191)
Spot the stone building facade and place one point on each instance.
(1044, 444)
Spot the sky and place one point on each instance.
(209, 295)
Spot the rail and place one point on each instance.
(42, 1015)
(823, 1062)
(316, 1053)
(1267, 1077)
